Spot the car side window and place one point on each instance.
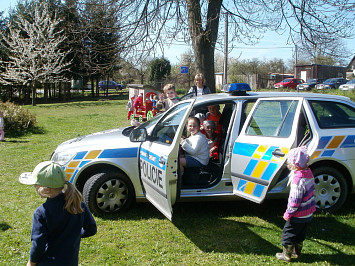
(273, 118)
(165, 130)
(333, 114)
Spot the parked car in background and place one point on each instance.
(110, 84)
(309, 84)
(348, 86)
(288, 83)
(332, 83)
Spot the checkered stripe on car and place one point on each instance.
(84, 157)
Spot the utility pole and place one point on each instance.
(296, 60)
(225, 68)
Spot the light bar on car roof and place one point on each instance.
(238, 88)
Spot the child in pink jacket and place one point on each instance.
(301, 204)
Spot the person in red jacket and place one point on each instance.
(213, 138)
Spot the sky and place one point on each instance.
(271, 46)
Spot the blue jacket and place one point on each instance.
(56, 234)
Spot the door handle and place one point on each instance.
(278, 153)
(161, 160)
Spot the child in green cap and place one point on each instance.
(59, 223)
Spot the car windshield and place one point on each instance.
(151, 122)
(351, 81)
(330, 81)
(311, 81)
(286, 80)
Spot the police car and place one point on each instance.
(115, 168)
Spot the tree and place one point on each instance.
(159, 70)
(33, 45)
(332, 53)
(184, 80)
(149, 24)
(100, 34)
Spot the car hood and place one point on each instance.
(108, 139)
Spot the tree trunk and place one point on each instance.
(46, 85)
(33, 87)
(204, 59)
(204, 40)
(92, 87)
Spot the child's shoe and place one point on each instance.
(297, 251)
(286, 253)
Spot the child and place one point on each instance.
(215, 115)
(169, 90)
(138, 103)
(130, 107)
(59, 223)
(199, 89)
(195, 146)
(2, 127)
(213, 139)
(154, 100)
(161, 103)
(300, 207)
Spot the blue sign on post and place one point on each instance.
(184, 70)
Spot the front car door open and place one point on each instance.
(159, 158)
(261, 148)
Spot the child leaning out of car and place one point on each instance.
(195, 146)
(59, 223)
(300, 207)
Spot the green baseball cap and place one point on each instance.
(46, 174)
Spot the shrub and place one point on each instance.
(17, 120)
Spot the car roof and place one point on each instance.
(255, 95)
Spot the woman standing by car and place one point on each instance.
(199, 89)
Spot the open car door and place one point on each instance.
(159, 161)
(261, 148)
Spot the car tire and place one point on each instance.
(331, 189)
(108, 192)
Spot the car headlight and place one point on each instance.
(63, 157)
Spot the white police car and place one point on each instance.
(116, 167)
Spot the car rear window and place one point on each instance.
(333, 114)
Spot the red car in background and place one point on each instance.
(288, 83)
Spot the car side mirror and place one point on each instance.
(138, 135)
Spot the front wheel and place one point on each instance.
(331, 189)
(108, 192)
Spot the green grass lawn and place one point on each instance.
(204, 233)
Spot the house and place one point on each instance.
(351, 67)
(219, 80)
(306, 72)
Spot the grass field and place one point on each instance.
(204, 233)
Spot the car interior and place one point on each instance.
(209, 175)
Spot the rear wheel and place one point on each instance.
(108, 192)
(331, 189)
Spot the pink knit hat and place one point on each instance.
(298, 156)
